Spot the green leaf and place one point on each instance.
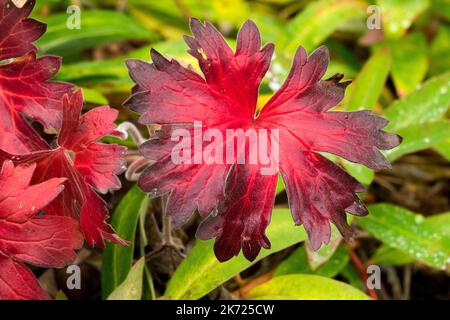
(409, 62)
(280, 185)
(351, 274)
(419, 137)
(131, 288)
(201, 272)
(169, 27)
(428, 103)
(317, 22)
(442, 8)
(440, 223)
(390, 256)
(92, 71)
(61, 296)
(344, 54)
(93, 96)
(117, 260)
(149, 289)
(416, 117)
(444, 149)
(318, 258)
(426, 241)
(359, 172)
(97, 27)
(108, 76)
(305, 287)
(366, 89)
(297, 262)
(399, 15)
(270, 26)
(440, 47)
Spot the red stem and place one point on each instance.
(362, 272)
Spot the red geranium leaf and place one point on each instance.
(42, 240)
(236, 75)
(86, 164)
(99, 164)
(193, 186)
(25, 86)
(17, 282)
(157, 95)
(16, 135)
(319, 191)
(17, 31)
(240, 221)
(300, 108)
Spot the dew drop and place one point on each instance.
(418, 219)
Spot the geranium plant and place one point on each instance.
(269, 149)
(66, 176)
(236, 199)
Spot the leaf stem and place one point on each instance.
(362, 272)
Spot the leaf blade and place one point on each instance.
(305, 287)
(410, 233)
(131, 287)
(117, 260)
(194, 279)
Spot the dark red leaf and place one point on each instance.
(42, 240)
(17, 282)
(86, 164)
(319, 191)
(25, 86)
(239, 217)
(17, 31)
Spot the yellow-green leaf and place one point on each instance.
(96, 27)
(399, 15)
(201, 272)
(305, 287)
(409, 62)
(366, 89)
(318, 21)
(297, 262)
(131, 288)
